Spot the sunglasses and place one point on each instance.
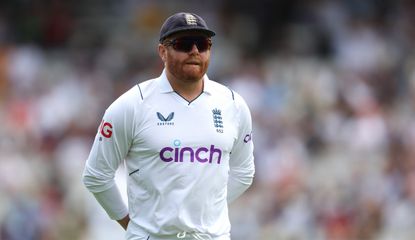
(185, 44)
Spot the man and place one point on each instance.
(185, 141)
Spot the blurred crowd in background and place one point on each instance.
(330, 84)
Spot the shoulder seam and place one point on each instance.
(141, 93)
(233, 95)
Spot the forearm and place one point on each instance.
(112, 203)
(237, 186)
(106, 192)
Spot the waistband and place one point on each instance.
(179, 236)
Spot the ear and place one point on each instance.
(162, 52)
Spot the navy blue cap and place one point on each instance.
(182, 21)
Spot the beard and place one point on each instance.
(190, 70)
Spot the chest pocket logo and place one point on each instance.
(165, 120)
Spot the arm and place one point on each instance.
(124, 222)
(112, 202)
(109, 149)
(241, 161)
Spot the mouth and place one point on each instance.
(197, 63)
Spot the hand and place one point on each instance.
(124, 222)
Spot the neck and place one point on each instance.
(188, 89)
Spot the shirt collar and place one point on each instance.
(165, 86)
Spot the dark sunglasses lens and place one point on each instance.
(182, 45)
(185, 44)
(202, 44)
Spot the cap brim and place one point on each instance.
(207, 32)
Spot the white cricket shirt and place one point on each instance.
(185, 161)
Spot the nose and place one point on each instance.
(194, 49)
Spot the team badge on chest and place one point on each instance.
(217, 120)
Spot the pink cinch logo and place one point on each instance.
(180, 154)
